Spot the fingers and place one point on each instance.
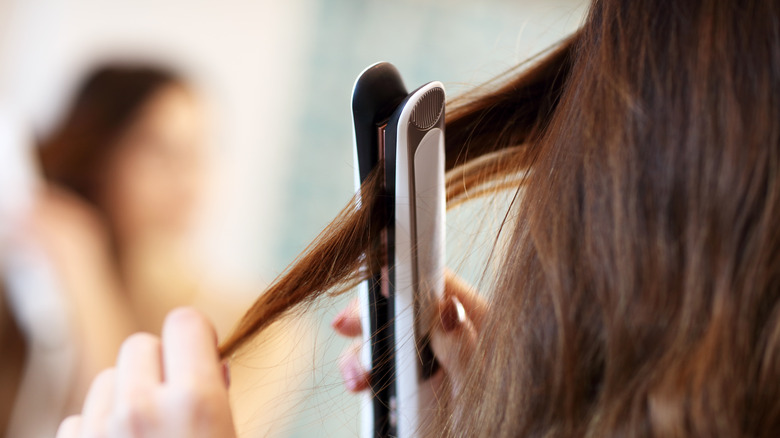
(70, 427)
(462, 312)
(347, 322)
(163, 390)
(461, 315)
(99, 403)
(355, 377)
(473, 304)
(190, 349)
(454, 340)
(138, 364)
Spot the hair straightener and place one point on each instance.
(405, 132)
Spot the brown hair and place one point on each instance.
(14, 348)
(639, 294)
(105, 105)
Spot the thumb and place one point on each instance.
(461, 313)
(454, 338)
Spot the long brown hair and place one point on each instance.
(104, 106)
(639, 292)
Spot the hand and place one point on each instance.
(75, 241)
(67, 225)
(453, 340)
(170, 388)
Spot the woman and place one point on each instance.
(130, 150)
(638, 292)
(126, 170)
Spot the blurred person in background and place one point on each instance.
(130, 152)
(48, 357)
(125, 170)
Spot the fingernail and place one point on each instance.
(452, 314)
(226, 373)
(354, 377)
(338, 321)
(350, 378)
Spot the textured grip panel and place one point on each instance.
(428, 110)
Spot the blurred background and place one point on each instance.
(267, 88)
